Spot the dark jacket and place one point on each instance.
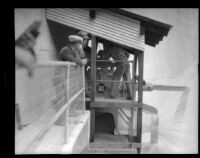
(67, 54)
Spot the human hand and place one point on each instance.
(23, 58)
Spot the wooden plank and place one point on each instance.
(112, 103)
(92, 124)
(93, 84)
(135, 64)
(122, 103)
(132, 110)
(133, 82)
(116, 100)
(140, 98)
(93, 68)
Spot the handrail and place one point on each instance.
(50, 63)
(30, 145)
(52, 121)
(55, 63)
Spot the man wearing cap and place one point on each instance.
(73, 51)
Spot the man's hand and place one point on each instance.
(23, 58)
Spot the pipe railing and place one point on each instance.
(64, 109)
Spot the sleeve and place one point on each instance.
(63, 52)
(66, 55)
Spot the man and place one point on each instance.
(73, 51)
(86, 48)
(122, 69)
(87, 51)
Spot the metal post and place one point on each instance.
(66, 111)
(93, 68)
(93, 83)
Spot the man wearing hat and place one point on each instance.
(73, 51)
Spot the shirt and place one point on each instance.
(68, 50)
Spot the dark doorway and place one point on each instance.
(104, 123)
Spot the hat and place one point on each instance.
(74, 38)
(83, 34)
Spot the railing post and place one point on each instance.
(93, 68)
(66, 111)
(132, 109)
(140, 98)
(83, 84)
(93, 88)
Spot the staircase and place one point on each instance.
(105, 143)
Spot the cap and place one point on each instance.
(74, 38)
(83, 34)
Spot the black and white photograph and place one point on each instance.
(106, 80)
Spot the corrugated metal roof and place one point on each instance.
(107, 25)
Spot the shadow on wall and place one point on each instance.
(60, 34)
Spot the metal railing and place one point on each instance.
(57, 92)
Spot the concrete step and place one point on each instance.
(105, 143)
(109, 151)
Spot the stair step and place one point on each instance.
(110, 145)
(110, 151)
